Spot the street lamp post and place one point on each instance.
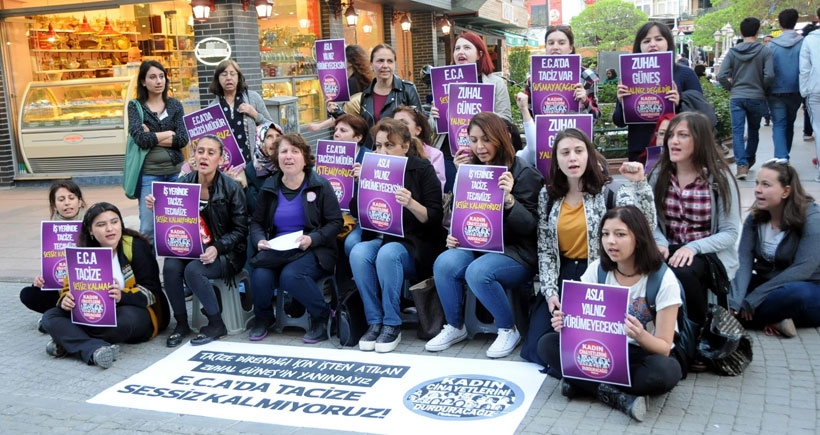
(680, 42)
(717, 37)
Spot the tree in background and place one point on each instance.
(607, 24)
(519, 62)
(733, 11)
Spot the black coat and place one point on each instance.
(521, 221)
(323, 217)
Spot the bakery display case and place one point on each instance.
(75, 125)
(311, 102)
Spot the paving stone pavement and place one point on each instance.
(778, 393)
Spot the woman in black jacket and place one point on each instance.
(294, 199)
(224, 233)
(385, 261)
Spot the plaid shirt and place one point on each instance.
(688, 210)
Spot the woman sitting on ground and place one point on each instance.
(628, 256)
(142, 310)
(778, 281)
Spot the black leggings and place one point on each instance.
(695, 281)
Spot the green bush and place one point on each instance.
(607, 93)
(719, 98)
(519, 61)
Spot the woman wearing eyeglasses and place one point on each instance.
(698, 210)
(560, 41)
(777, 283)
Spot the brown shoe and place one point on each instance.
(742, 172)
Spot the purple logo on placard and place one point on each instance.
(464, 397)
(91, 306)
(379, 213)
(554, 104)
(179, 241)
(463, 140)
(338, 188)
(330, 87)
(593, 358)
(60, 271)
(649, 106)
(477, 229)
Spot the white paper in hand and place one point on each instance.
(285, 242)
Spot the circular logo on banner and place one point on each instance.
(463, 138)
(649, 107)
(477, 229)
(60, 271)
(330, 87)
(468, 397)
(226, 160)
(593, 358)
(91, 306)
(554, 104)
(379, 213)
(338, 188)
(211, 51)
(179, 241)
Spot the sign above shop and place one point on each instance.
(211, 51)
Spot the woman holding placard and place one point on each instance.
(224, 233)
(628, 257)
(156, 125)
(295, 200)
(382, 261)
(652, 37)
(559, 41)
(470, 48)
(488, 274)
(142, 310)
(570, 208)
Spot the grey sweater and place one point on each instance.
(750, 67)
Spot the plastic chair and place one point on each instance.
(234, 313)
(328, 287)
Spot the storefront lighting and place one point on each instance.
(445, 25)
(304, 23)
(367, 24)
(351, 16)
(51, 35)
(406, 23)
(264, 9)
(85, 28)
(108, 30)
(202, 9)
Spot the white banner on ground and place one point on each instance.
(334, 389)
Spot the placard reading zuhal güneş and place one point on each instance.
(334, 162)
(649, 78)
(466, 100)
(331, 64)
(211, 120)
(478, 208)
(553, 83)
(593, 339)
(380, 178)
(176, 220)
(441, 77)
(55, 236)
(90, 274)
(547, 127)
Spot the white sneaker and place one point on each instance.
(446, 338)
(504, 344)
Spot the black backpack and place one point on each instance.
(686, 339)
(348, 319)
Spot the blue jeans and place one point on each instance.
(797, 300)
(377, 266)
(353, 238)
(298, 278)
(743, 110)
(487, 275)
(784, 113)
(144, 184)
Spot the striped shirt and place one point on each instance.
(688, 210)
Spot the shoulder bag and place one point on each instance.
(134, 158)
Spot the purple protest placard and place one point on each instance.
(593, 339)
(547, 127)
(466, 100)
(648, 77)
(55, 237)
(176, 220)
(211, 120)
(478, 208)
(441, 77)
(334, 161)
(553, 83)
(90, 274)
(331, 63)
(653, 154)
(379, 180)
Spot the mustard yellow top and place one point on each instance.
(572, 231)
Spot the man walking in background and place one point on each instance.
(784, 94)
(747, 72)
(810, 80)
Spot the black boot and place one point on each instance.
(180, 331)
(214, 330)
(633, 406)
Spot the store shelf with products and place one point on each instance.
(68, 54)
(306, 89)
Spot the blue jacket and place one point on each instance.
(786, 59)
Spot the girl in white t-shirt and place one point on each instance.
(631, 256)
